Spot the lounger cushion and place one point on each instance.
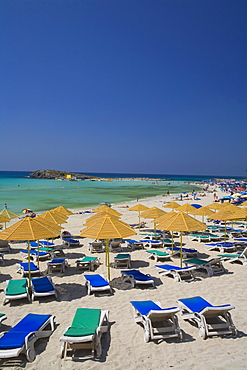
(96, 280)
(88, 259)
(57, 260)
(15, 338)
(122, 256)
(158, 253)
(85, 322)
(137, 275)
(42, 285)
(33, 267)
(170, 267)
(16, 287)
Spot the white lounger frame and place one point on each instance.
(159, 324)
(211, 320)
(92, 342)
(31, 338)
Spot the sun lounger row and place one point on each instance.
(88, 326)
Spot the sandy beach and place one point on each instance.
(124, 346)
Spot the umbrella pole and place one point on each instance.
(172, 243)
(139, 217)
(108, 259)
(225, 233)
(181, 250)
(38, 253)
(29, 267)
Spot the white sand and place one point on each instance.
(124, 347)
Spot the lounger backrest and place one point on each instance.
(16, 286)
(85, 322)
(96, 280)
(195, 304)
(42, 284)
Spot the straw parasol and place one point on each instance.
(159, 221)
(95, 218)
(203, 211)
(54, 217)
(104, 208)
(108, 228)
(240, 214)
(8, 214)
(139, 208)
(63, 210)
(215, 206)
(231, 207)
(172, 205)
(154, 213)
(28, 229)
(182, 222)
(244, 203)
(223, 215)
(188, 208)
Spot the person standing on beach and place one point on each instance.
(5, 205)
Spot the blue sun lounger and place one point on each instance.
(23, 268)
(57, 264)
(136, 277)
(96, 283)
(22, 337)
(35, 255)
(45, 243)
(42, 287)
(211, 320)
(158, 323)
(71, 242)
(178, 273)
(222, 247)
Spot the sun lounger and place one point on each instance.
(158, 323)
(198, 237)
(33, 245)
(87, 263)
(152, 243)
(96, 283)
(158, 255)
(71, 242)
(4, 246)
(134, 244)
(96, 247)
(238, 257)
(211, 320)
(23, 268)
(57, 265)
(85, 332)
(140, 225)
(186, 252)
(122, 260)
(2, 317)
(22, 337)
(115, 246)
(213, 237)
(45, 243)
(167, 242)
(16, 289)
(178, 273)
(36, 255)
(42, 287)
(221, 247)
(212, 267)
(136, 277)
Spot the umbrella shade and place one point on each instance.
(7, 213)
(54, 217)
(204, 211)
(139, 207)
(104, 208)
(244, 204)
(95, 218)
(186, 208)
(4, 219)
(172, 205)
(63, 210)
(232, 207)
(240, 214)
(222, 215)
(153, 213)
(182, 222)
(28, 229)
(108, 228)
(52, 225)
(215, 206)
(164, 217)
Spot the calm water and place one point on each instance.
(19, 191)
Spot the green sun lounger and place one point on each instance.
(16, 289)
(158, 255)
(85, 332)
(122, 260)
(212, 267)
(89, 263)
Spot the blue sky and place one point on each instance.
(147, 86)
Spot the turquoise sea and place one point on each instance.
(19, 191)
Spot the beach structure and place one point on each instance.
(136, 277)
(88, 263)
(211, 320)
(139, 208)
(158, 322)
(181, 222)
(178, 273)
(108, 228)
